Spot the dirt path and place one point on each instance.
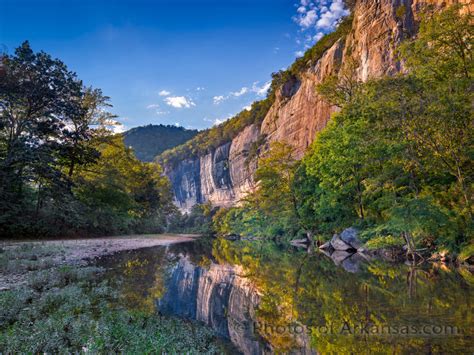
(17, 257)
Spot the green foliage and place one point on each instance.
(122, 194)
(61, 170)
(400, 11)
(386, 241)
(70, 309)
(398, 157)
(396, 161)
(309, 291)
(149, 141)
(198, 221)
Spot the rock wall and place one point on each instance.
(221, 177)
(224, 176)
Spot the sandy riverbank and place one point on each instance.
(71, 251)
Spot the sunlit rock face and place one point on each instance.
(217, 296)
(298, 112)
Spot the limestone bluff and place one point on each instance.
(224, 175)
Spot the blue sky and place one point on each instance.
(188, 62)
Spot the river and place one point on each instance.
(264, 298)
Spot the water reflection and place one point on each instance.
(265, 298)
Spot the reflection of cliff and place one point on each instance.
(217, 296)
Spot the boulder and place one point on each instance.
(326, 245)
(338, 244)
(352, 263)
(349, 236)
(339, 256)
(300, 243)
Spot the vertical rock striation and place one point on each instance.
(218, 297)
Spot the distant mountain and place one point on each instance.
(149, 141)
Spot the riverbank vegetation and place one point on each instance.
(396, 161)
(62, 170)
(69, 308)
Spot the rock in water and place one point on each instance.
(352, 263)
(338, 244)
(339, 256)
(349, 236)
(326, 245)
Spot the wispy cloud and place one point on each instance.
(179, 102)
(218, 99)
(261, 90)
(241, 92)
(218, 121)
(152, 106)
(164, 93)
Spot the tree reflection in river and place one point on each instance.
(263, 296)
(385, 308)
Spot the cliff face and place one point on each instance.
(224, 176)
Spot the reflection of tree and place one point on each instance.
(142, 278)
(310, 290)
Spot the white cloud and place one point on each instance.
(161, 113)
(164, 93)
(301, 10)
(248, 107)
(261, 90)
(120, 128)
(329, 18)
(308, 19)
(114, 126)
(316, 18)
(299, 54)
(179, 102)
(241, 92)
(152, 106)
(200, 88)
(218, 99)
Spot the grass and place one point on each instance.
(64, 309)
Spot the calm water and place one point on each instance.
(266, 298)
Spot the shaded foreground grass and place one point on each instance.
(66, 308)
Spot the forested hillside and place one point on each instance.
(149, 141)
